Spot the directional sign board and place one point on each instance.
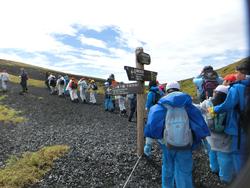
(135, 74)
(126, 89)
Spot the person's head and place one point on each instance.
(106, 84)
(172, 86)
(112, 76)
(243, 69)
(92, 81)
(219, 95)
(207, 68)
(152, 83)
(228, 79)
(162, 87)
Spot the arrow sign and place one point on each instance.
(135, 74)
(126, 89)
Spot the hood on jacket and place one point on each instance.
(176, 99)
(245, 82)
(154, 88)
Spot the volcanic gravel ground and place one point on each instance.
(102, 144)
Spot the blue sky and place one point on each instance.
(82, 38)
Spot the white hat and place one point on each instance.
(173, 85)
(106, 83)
(222, 88)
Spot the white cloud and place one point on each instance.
(92, 42)
(178, 34)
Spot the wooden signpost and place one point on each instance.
(140, 75)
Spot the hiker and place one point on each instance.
(113, 83)
(132, 104)
(206, 82)
(237, 106)
(60, 85)
(83, 86)
(72, 88)
(47, 74)
(66, 92)
(4, 78)
(108, 104)
(229, 79)
(92, 91)
(121, 102)
(52, 84)
(23, 81)
(174, 121)
(153, 96)
(219, 142)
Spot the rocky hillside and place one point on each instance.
(102, 144)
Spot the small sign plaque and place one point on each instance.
(126, 89)
(135, 74)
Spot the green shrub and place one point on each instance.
(30, 167)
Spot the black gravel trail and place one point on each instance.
(102, 144)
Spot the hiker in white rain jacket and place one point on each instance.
(52, 84)
(72, 88)
(60, 85)
(92, 91)
(220, 153)
(4, 77)
(83, 86)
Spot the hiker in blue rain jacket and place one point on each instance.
(206, 81)
(234, 103)
(176, 163)
(153, 96)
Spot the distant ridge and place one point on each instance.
(36, 72)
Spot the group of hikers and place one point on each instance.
(217, 121)
(64, 86)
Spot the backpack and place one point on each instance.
(218, 123)
(74, 85)
(209, 83)
(94, 86)
(53, 82)
(61, 82)
(177, 133)
(156, 97)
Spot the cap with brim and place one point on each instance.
(230, 77)
(222, 89)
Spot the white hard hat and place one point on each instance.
(173, 85)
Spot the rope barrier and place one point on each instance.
(132, 172)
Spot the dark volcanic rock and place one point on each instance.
(103, 144)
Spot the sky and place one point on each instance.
(97, 38)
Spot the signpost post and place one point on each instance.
(140, 110)
(140, 75)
